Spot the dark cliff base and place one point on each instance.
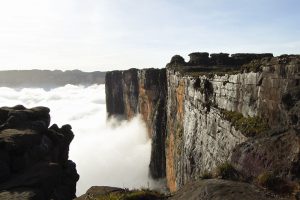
(34, 158)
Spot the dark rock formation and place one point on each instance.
(243, 58)
(141, 91)
(220, 59)
(114, 93)
(49, 79)
(34, 158)
(198, 58)
(177, 60)
(204, 59)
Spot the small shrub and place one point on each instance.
(227, 171)
(249, 126)
(278, 185)
(206, 175)
(144, 194)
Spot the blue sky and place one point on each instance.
(119, 34)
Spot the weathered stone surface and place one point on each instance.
(216, 189)
(34, 158)
(278, 152)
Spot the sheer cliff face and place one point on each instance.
(142, 92)
(243, 109)
(200, 109)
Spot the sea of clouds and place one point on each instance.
(106, 152)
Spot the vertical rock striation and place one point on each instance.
(142, 92)
(215, 108)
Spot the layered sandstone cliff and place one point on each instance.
(34, 160)
(241, 109)
(142, 92)
(212, 111)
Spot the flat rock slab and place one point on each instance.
(98, 191)
(217, 189)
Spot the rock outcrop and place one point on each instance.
(241, 109)
(34, 158)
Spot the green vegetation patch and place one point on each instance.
(210, 74)
(249, 126)
(278, 185)
(253, 66)
(206, 175)
(143, 194)
(178, 138)
(227, 171)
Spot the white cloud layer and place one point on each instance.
(106, 153)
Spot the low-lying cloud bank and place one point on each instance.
(106, 153)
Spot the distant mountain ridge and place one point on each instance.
(49, 79)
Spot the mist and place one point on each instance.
(110, 152)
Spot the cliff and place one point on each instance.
(34, 158)
(49, 79)
(241, 110)
(213, 117)
(142, 92)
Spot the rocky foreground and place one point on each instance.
(34, 158)
(206, 189)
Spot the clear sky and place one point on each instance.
(118, 34)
